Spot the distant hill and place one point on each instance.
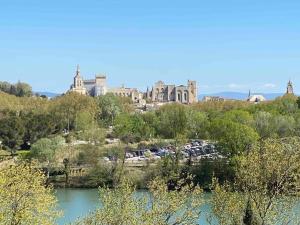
(48, 94)
(241, 96)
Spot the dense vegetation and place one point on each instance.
(19, 89)
(259, 141)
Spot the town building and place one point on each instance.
(213, 99)
(98, 86)
(162, 92)
(256, 98)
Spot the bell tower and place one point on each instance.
(78, 85)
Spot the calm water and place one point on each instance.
(79, 202)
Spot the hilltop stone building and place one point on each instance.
(170, 93)
(98, 86)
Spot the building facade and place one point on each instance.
(98, 86)
(162, 92)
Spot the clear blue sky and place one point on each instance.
(230, 45)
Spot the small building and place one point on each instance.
(256, 98)
(213, 99)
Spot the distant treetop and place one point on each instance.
(19, 89)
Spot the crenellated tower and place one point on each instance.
(193, 91)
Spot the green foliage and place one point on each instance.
(266, 188)
(71, 106)
(123, 206)
(45, 148)
(19, 89)
(11, 131)
(264, 124)
(84, 121)
(37, 126)
(232, 137)
(172, 120)
(132, 128)
(110, 106)
(24, 198)
(239, 116)
(197, 124)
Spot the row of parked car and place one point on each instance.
(198, 149)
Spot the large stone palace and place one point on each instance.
(98, 86)
(161, 92)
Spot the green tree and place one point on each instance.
(132, 128)
(24, 199)
(264, 124)
(84, 121)
(197, 124)
(233, 138)
(239, 116)
(110, 107)
(23, 89)
(37, 126)
(68, 107)
(267, 182)
(172, 120)
(12, 131)
(121, 206)
(45, 149)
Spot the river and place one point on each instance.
(79, 202)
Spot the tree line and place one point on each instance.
(258, 183)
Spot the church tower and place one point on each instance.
(290, 88)
(78, 82)
(78, 85)
(193, 92)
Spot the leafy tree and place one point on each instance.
(23, 90)
(172, 120)
(110, 107)
(45, 149)
(11, 131)
(20, 89)
(267, 184)
(239, 116)
(264, 125)
(298, 102)
(84, 121)
(233, 138)
(197, 124)
(132, 128)
(68, 107)
(94, 135)
(285, 125)
(24, 199)
(121, 205)
(37, 126)
(5, 87)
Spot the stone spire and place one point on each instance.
(290, 88)
(78, 71)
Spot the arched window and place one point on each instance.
(185, 96)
